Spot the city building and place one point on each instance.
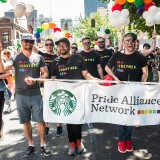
(91, 6)
(10, 32)
(67, 24)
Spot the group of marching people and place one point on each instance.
(89, 64)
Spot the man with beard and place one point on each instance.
(70, 67)
(92, 59)
(104, 53)
(29, 65)
(127, 66)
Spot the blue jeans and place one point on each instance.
(124, 132)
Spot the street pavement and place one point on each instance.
(100, 141)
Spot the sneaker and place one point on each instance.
(59, 131)
(129, 146)
(47, 131)
(29, 151)
(80, 147)
(122, 146)
(45, 152)
(72, 149)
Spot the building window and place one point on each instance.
(5, 38)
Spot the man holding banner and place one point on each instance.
(127, 66)
(70, 67)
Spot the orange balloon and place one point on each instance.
(52, 25)
(147, 1)
(121, 2)
(67, 34)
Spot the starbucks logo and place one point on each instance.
(62, 102)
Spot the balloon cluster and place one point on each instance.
(3, 1)
(151, 14)
(56, 34)
(103, 32)
(119, 17)
(21, 9)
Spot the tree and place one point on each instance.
(84, 27)
(137, 21)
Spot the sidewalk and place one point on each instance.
(100, 141)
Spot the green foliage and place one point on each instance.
(84, 28)
(137, 22)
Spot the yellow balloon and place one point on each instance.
(45, 26)
(131, 1)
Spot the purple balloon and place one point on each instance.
(38, 40)
(140, 11)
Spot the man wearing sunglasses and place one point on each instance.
(92, 59)
(49, 56)
(104, 53)
(128, 67)
(74, 48)
(29, 65)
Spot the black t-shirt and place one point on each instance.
(105, 57)
(128, 67)
(92, 59)
(150, 60)
(48, 58)
(68, 68)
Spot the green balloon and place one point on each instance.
(138, 3)
(107, 31)
(3, 1)
(39, 29)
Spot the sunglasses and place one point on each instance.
(86, 43)
(129, 41)
(74, 47)
(48, 44)
(100, 42)
(28, 41)
(6, 53)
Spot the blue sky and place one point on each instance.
(56, 8)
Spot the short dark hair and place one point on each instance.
(147, 45)
(49, 39)
(100, 38)
(74, 44)
(85, 38)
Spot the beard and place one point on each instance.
(64, 52)
(28, 48)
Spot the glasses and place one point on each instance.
(100, 42)
(86, 43)
(6, 53)
(28, 41)
(74, 47)
(129, 41)
(48, 44)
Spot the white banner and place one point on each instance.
(87, 102)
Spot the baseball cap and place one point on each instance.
(27, 36)
(63, 40)
(134, 36)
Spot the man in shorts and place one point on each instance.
(28, 65)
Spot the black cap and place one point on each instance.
(63, 40)
(134, 36)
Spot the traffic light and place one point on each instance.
(92, 22)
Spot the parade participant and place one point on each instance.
(29, 65)
(92, 59)
(127, 66)
(104, 53)
(60, 66)
(49, 56)
(74, 48)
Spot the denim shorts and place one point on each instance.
(29, 108)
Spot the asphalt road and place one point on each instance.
(100, 141)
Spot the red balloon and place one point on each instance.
(147, 6)
(116, 7)
(56, 29)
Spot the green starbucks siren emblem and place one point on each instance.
(62, 102)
